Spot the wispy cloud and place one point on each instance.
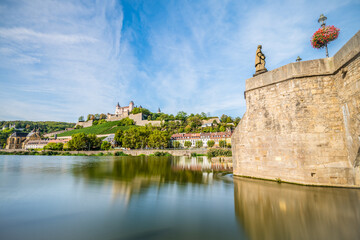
(30, 36)
(61, 59)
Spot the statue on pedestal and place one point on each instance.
(259, 62)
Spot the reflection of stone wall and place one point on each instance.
(268, 210)
(302, 122)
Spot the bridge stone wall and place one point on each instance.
(302, 122)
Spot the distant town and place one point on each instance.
(129, 127)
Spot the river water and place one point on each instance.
(73, 197)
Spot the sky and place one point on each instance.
(61, 59)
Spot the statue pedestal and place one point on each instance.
(260, 72)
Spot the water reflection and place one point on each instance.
(268, 210)
(135, 175)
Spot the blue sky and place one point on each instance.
(62, 59)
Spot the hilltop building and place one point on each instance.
(121, 113)
(124, 110)
(210, 122)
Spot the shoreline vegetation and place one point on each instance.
(211, 153)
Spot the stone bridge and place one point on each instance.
(302, 122)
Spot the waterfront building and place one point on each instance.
(204, 137)
(17, 140)
(36, 144)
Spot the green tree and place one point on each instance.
(176, 144)
(203, 115)
(94, 143)
(194, 122)
(126, 122)
(223, 118)
(210, 143)
(78, 142)
(81, 141)
(198, 144)
(54, 146)
(97, 116)
(103, 116)
(118, 136)
(158, 139)
(237, 121)
(135, 137)
(229, 120)
(222, 129)
(4, 135)
(187, 144)
(181, 116)
(222, 143)
(81, 119)
(144, 111)
(105, 145)
(90, 117)
(228, 145)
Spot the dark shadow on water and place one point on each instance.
(268, 210)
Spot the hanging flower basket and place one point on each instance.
(323, 36)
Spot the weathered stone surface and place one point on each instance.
(302, 122)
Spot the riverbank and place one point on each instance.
(125, 152)
(132, 152)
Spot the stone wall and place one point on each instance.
(138, 119)
(84, 124)
(302, 122)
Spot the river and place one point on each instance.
(75, 197)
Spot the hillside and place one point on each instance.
(105, 128)
(42, 126)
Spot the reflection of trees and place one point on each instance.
(129, 168)
(268, 210)
(130, 175)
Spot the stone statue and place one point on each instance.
(259, 62)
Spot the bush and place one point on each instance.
(219, 153)
(54, 146)
(161, 154)
(198, 144)
(120, 154)
(176, 144)
(126, 122)
(187, 144)
(105, 145)
(222, 143)
(210, 143)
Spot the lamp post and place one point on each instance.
(322, 21)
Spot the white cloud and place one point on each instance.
(28, 35)
(77, 64)
(80, 57)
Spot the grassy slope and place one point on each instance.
(105, 128)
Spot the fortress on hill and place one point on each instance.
(302, 122)
(124, 112)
